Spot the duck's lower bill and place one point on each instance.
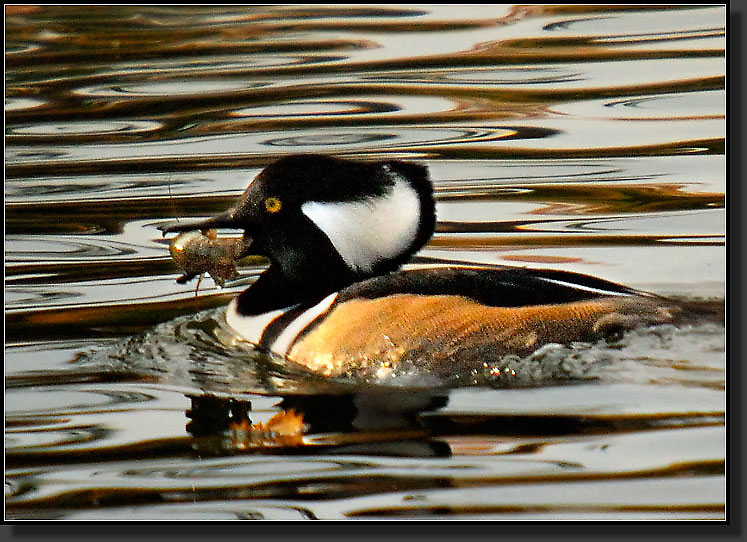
(442, 333)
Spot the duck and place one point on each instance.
(337, 299)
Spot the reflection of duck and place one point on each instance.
(381, 423)
(335, 302)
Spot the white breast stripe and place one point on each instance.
(584, 288)
(285, 340)
(250, 328)
(365, 232)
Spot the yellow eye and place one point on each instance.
(273, 205)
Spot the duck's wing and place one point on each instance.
(495, 287)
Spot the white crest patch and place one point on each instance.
(366, 232)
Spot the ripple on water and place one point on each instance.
(40, 248)
(487, 78)
(351, 106)
(689, 105)
(403, 138)
(177, 87)
(86, 128)
(21, 104)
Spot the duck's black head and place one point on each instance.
(326, 222)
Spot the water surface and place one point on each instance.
(588, 139)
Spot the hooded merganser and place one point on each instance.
(335, 302)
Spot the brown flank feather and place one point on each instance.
(446, 331)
